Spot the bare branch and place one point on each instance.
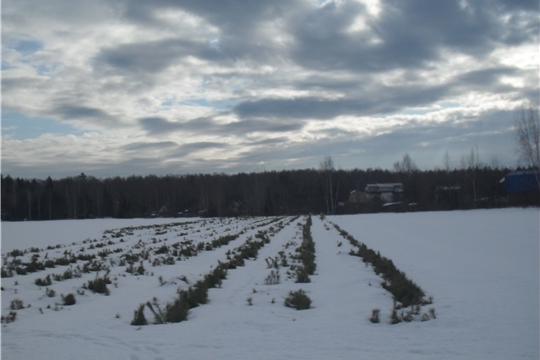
(528, 136)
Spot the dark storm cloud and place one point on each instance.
(81, 112)
(425, 142)
(159, 125)
(237, 21)
(485, 77)
(372, 98)
(142, 146)
(465, 130)
(270, 68)
(531, 94)
(379, 100)
(293, 108)
(197, 146)
(234, 17)
(267, 126)
(84, 113)
(154, 56)
(170, 149)
(527, 5)
(410, 34)
(273, 141)
(205, 125)
(19, 82)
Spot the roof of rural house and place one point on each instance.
(394, 187)
(522, 181)
(163, 209)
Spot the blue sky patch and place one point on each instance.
(219, 105)
(447, 104)
(416, 112)
(5, 66)
(27, 47)
(46, 68)
(22, 127)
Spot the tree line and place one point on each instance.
(268, 193)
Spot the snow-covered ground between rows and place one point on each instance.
(481, 267)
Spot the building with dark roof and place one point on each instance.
(523, 187)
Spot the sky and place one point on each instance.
(123, 87)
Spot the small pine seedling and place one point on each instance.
(138, 316)
(375, 316)
(16, 304)
(50, 292)
(69, 299)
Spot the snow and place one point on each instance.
(23, 235)
(480, 266)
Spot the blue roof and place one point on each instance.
(522, 181)
(523, 172)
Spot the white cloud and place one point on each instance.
(308, 73)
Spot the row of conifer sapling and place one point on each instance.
(405, 293)
(167, 255)
(18, 304)
(18, 266)
(99, 284)
(305, 253)
(186, 299)
(16, 253)
(15, 304)
(298, 299)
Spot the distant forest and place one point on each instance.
(289, 192)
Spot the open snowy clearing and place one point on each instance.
(481, 267)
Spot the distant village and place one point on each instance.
(291, 192)
(521, 188)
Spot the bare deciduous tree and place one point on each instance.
(528, 137)
(446, 162)
(406, 165)
(327, 170)
(446, 166)
(471, 164)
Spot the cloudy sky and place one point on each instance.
(121, 87)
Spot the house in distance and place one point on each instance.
(523, 187)
(376, 197)
(385, 192)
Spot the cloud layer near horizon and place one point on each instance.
(225, 86)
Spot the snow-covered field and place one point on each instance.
(481, 267)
